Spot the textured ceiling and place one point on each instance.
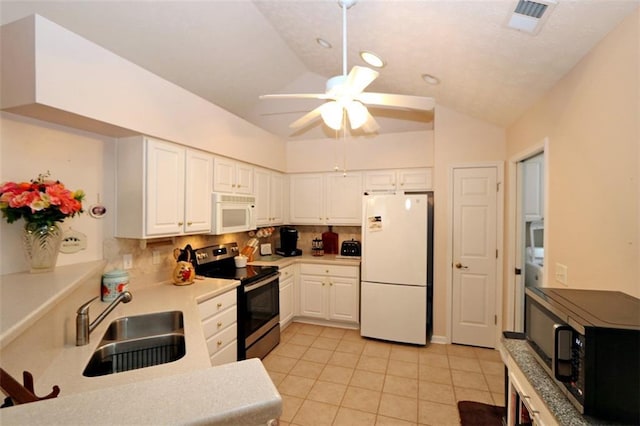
(230, 52)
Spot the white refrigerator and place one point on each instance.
(394, 267)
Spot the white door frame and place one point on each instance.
(513, 260)
(499, 165)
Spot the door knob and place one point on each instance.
(461, 266)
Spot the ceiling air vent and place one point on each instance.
(529, 16)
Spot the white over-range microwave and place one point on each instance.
(232, 213)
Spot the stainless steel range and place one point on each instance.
(258, 297)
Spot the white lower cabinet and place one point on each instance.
(219, 316)
(329, 292)
(524, 404)
(287, 295)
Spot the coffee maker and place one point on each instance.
(288, 242)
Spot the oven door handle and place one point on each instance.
(262, 283)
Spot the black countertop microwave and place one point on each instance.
(589, 342)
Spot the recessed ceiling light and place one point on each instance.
(430, 79)
(324, 43)
(372, 59)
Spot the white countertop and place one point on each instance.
(283, 262)
(233, 394)
(185, 391)
(66, 370)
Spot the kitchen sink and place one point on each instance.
(145, 325)
(139, 341)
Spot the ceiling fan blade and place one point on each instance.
(397, 101)
(296, 96)
(371, 125)
(307, 118)
(359, 78)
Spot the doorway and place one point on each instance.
(475, 273)
(528, 173)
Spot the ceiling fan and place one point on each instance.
(346, 95)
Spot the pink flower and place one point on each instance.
(41, 201)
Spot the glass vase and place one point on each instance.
(41, 246)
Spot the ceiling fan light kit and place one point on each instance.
(345, 93)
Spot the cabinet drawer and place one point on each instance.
(329, 270)
(217, 304)
(219, 340)
(226, 355)
(286, 272)
(219, 322)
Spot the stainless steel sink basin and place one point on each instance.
(138, 342)
(145, 325)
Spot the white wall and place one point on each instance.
(592, 120)
(459, 139)
(393, 150)
(90, 85)
(80, 160)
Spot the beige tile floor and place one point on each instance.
(333, 376)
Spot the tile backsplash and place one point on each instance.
(146, 273)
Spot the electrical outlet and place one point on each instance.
(155, 257)
(561, 273)
(127, 261)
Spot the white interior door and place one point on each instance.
(474, 256)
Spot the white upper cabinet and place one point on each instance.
(306, 199)
(343, 199)
(533, 188)
(325, 199)
(197, 196)
(402, 180)
(163, 189)
(269, 192)
(232, 176)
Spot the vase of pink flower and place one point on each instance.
(43, 204)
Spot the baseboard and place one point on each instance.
(440, 340)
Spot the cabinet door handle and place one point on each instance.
(189, 223)
(219, 343)
(219, 305)
(219, 324)
(180, 223)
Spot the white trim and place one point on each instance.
(439, 340)
(499, 166)
(512, 223)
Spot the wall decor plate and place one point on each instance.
(73, 241)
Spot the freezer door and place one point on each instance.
(394, 238)
(394, 312)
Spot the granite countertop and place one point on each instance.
(543, 384)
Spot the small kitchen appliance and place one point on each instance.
(258, 297)
(350, 248)
(288, 242)
(589, 343)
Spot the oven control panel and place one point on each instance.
(214, 253)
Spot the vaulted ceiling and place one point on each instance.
(230, 52)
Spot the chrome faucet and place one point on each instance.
(83, 328)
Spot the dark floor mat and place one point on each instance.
(478, 414)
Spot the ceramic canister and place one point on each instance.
(113, 283)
